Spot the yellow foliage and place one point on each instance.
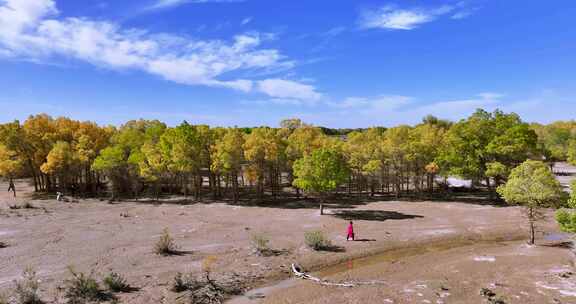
(10, 164)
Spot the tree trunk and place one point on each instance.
(531, 220)
(235, 187)
(157, 189)
(490, 192)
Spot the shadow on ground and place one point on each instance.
(333, 248)
(365, 240)
(373, 215)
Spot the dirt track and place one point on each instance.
(91, 234)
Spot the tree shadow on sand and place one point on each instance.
(332, 248)
(474, 197)
(177, 252)
(565, 245)
(373, 215)
(287, 201)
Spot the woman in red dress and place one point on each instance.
(350, 232)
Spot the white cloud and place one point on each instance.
(30, 29)
(246, 21)
(335, 31)
(380, 103)
(160, 4)
(391, 110)
(288, 89)
(491, 95)
(393, 18)
(462, 14)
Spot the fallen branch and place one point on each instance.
(302, 275)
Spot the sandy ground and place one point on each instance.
(459, 246)
(515, 272)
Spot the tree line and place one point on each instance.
(146, 157)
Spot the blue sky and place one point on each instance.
(347, 63)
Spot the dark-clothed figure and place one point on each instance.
(12, 187)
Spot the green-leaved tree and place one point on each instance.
(321, 172)
(566, 218)
(533, 186)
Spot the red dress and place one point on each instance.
(350, 232)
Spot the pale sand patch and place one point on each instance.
(439, 231)
(484, 259)
(7, 232)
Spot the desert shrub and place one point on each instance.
(26, 290)
(316, 240)
(183, 282)
(204, 290)
(166, 245)
(115, 282)
(83, 288)
(498, 300)
(491, 296)
(3, 245)
(260, 243)
(487, 293)
(26, 205)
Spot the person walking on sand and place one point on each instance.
(350, 232)
(12, 187)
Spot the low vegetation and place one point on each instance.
(317, 240)
(26, 205)
(83, 288)
(491, 297)
(26, 289)
(261, 244)
(203, 289)
(80, 288)
(115, 282)
(183, 282)
(3, 244)
(567, 217)
(166, 245)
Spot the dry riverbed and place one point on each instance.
(426, 252)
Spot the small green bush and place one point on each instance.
(115, 282)
(317, 240)
(26, 289)
(166, 245)
(83, 288)
(260, 243)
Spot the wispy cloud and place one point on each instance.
(392, 17)
(390, 110)
(289, 90)
(161, 4)
(383, 102)
(335, 31)
(246, 21)
(31, 30)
